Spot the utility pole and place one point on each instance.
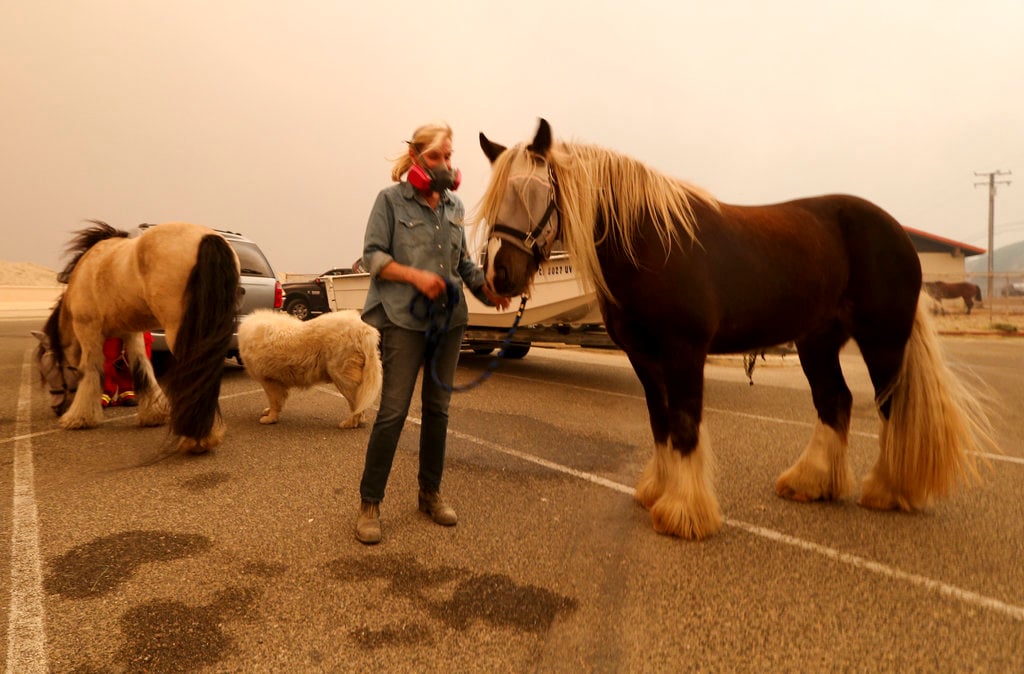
(992, 182)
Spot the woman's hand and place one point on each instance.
(430, 284)
(499, 301)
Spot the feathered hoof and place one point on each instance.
(791, 493)
(691, 521)
(801, 485)
(191, 446)
(154, 410)
(646, 494)
(804, 486)
(649, 487)
(153, 417)
(353, 421)
(877, 494)
(203, 445)
(70, 423)
(878, 502)
(267, 419)
(882, 499)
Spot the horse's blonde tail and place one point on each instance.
(937, 429)
(373, 377)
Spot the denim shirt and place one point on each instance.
(404, 229)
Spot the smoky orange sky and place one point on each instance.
(279, 119)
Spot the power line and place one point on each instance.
(992, 182)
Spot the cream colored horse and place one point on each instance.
(180, 277)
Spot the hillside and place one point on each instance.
(26, 274)
(1007, 259)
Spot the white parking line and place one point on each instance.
(757, 417)
(110, 420)
(26, 637)
(964, 596)
(26, 633)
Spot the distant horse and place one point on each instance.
(281, 352)
(940, 290)
(179, 277)
(680, 275)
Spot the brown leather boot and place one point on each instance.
(432, 503)
(368, 524)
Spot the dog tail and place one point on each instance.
(373, 377)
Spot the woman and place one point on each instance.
(415, 252)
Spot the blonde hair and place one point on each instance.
(598, 183)
(426, 138)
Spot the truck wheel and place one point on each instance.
(298, 308)
(517, 351)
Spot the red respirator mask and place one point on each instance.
(438, 179)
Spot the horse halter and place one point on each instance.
(538, 240)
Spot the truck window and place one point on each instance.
(251, 260)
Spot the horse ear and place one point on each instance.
(542, 141)
(41, 336)
(491, 150)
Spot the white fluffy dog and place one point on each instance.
(281, 352)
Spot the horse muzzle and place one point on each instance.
(510, 268)
(60, 402)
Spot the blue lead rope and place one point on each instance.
(439, 317)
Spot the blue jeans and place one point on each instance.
(404, 353)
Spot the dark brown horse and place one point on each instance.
(681, 275)
(940, 290)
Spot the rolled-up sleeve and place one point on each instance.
(377, 241)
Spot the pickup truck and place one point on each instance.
(306, 299)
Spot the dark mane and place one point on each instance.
(83, 241)
(52, 331)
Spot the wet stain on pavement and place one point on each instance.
(170, 636)
(205, 481)
(392, 635)
(455, 597)
(495, 599)
(98, 567)
(264, 569)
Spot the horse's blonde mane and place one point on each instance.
(596, 183)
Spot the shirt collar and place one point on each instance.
(410, 192)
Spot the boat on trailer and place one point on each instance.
(558, 310)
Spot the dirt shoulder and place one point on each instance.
(995, 318)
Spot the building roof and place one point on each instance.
(931, 243)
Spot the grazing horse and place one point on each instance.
(681, 275)
(177, 276)
(940, 290)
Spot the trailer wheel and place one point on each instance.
(517, 351)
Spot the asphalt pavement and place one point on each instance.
(123, 558)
